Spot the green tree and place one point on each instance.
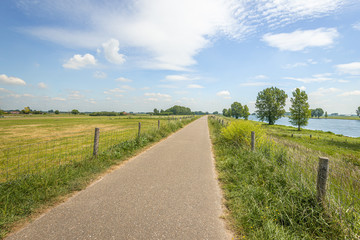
(299, 109)
(229, 113)
(57, 112)
(224, 112)
(1, 112)
(358, 111)
(216, 113)
(236, 110)
(270, 104)
(179, 110)
(245, 112)
(156, 112)
(75, 111)
(318, 112)
(326, 115)
(26, 110)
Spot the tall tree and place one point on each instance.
(326, 114)
(224, 112)
(299, 109)
(270, 104)
(245, 112)
(75, 111)
(236, 109)
(229, 113)
(156, 112)
(358, 111)
(319, 112)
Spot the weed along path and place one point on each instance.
(167, 192)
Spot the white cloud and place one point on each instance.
(58, 99)
(28, 95)
(351, 93)
(310, 80)
(255, 84)
(111, 51)
(11, 80)
(127, 87)
(324, 91)
(91, 100)
(167, 86)
(177, 78)
(168, 34)
(260, 77)
(75, 95)
(303, 88)
(301, 39)
(114, 91)
(122, 79)
(223, 93)
(152, 99)
(100, 75)
(194, 86)
(42, 85)
(349, 68)
(356, 26)
(161, 95)
(78, 61)
(4, 90)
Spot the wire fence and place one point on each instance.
(23, 160)
(301, 166)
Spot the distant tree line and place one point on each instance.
(236, 110)
(103, 113)
(175, 110)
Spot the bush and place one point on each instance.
(239, 133)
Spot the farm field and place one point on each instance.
(32, 144)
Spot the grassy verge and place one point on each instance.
(268, 195)
(21, 198)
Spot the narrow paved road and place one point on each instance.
(167, 192)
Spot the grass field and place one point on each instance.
(32, 144)
(271, 194)
(50, 170)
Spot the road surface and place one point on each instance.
(168, 192)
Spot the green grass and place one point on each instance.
(23, 197)
(270, 193)
(330, 144)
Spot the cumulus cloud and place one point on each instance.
(301, 39)
(11, 80)
(356, 26)
(75, 95)
(122, 79)
(225, 94)
(260, 77)
(42, 85)
(100, 75)
(194, 86)
(3, 90)
(127, 87)
(351, 93)
(111, 51)
(78, 61)
(114, 91)
(161, 95)
(324, 91)
(58, 99)
(167, 34)
(349, 68)
(314, 78)
(178, 78)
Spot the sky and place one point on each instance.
(137, 55)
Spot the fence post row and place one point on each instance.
(322, 176)
(139, 132)
(96, 141)
(158, 124)
(252, 141)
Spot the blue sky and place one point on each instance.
(203, 54)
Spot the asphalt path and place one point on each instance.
(168, 192)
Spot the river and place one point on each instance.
(350, 128)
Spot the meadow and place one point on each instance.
(41, 173)
(271, 192)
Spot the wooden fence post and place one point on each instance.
(158, 124)
(96, 141)
(252, 141)
(322, 176)
(139, 131)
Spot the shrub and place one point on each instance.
(239, 132)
